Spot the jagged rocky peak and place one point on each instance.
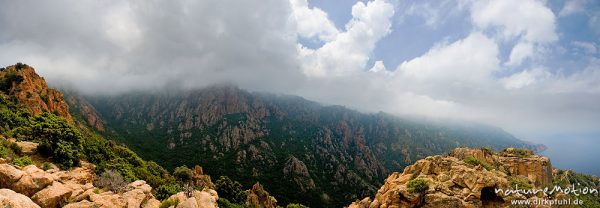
(31, 91)
(465, 177)
(259, 197)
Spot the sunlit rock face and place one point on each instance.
(465, 178)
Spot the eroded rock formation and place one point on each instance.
(464, 178)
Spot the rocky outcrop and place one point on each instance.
(258, 197)
(296, 171)
(464, 178)
(33, 93)
(52, 196)
(8, 175)
(206, 198)
(201, 180)
(33, 180)
(33, 187)
(9, 198)
(513, 161)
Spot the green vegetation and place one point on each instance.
(8, 79)
(9, 150)
(168, 203)
(293, 205)
(417, 185)
(166, 190)
(46, 166)
(66, 144)
(3, 151)
(183, 174)
(223, 202)
(487, 150)
(474, 161)
(231, 190)
(57, 138)
(274, 128)
(22, 161)
(20, 66)
(520, 183)
(566, 178)
(518, 152)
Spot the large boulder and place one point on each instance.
(9, 198)
(28, 148)
(151, 203)
(9, 175)
(134, 198)
(206, 198)
(33, 180)
(52, 196)
(82, 175)
(82, 204)
(108, 199)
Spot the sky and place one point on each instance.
(531, 67)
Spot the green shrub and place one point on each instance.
(183, 174)
(474, 161)
(520, 183)
(15, 148)
(224, 203)
(417, 185)
(166, 190)
(518, 152)
(3, 152)
(8, 79)
(22, 161)
(168, 203)
(295, 206)
(20, 65)
(231, 190)
(46, 166)
(487, 150)
(59, 139)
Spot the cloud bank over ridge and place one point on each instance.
(524, 71)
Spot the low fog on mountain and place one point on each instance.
(533, 77)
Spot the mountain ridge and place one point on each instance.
(231, 131)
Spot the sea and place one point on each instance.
(580, 153)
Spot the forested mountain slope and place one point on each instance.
(327, 154)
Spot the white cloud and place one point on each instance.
(584, 81)
(525, 78)
(530, 19)
(433, 13)
(349, 52)
(121, 28)
(154, 45)
(519, 53)
(312, 22)
(588, 47)
(378, 67)
(470, 60)
(572, 7)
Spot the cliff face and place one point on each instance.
(468, 178)
(79, 106)
(32, 92)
